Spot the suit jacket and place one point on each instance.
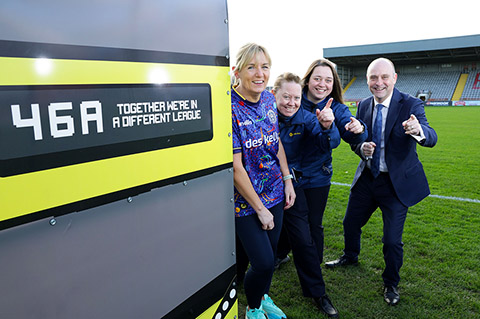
(405, 169)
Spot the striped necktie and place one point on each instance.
(377, 139)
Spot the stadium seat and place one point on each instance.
(440, 84)
(472, 91)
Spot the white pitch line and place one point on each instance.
(461, 199)
(456, 198)
(341, 184)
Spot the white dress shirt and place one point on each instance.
(386, 106)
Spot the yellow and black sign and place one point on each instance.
(105, 115)
(116, 160)
(71, 124)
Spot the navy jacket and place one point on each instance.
(317, 163)
(404, 168)
(301, 131)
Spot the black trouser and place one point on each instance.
(261, 248)
(366, 196)
(304, 249)
(316, 199)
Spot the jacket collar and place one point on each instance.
(309, 105)
(297, 118)
(393, 111)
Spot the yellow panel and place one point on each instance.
(233, 313)
(210, 312)
(32, 192)
(349, 84)
(460, 87)
(26, 71)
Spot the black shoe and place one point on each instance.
(342, 261)
(391, 295)
(281, 261)
(325, 305)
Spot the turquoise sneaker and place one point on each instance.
(255, 314)
(272, 311)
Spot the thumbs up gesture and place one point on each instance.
(325, 116)
(411, 126)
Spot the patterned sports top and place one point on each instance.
(256, 136)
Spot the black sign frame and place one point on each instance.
(21, 153)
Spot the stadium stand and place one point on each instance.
(358, 90)
(441, 71)
(472, 87)
(439, 86)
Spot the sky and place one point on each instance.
(295, 31)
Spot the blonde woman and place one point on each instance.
(263, 185)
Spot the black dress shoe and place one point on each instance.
(342, 261)
(391, 295)
(325, 305)
(281, 261)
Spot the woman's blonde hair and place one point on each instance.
(246, 54)
(285, 77)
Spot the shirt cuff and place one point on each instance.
(421, 137)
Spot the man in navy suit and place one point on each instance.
(390, 175)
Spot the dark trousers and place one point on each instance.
(304, 249)
(283, 247)
(260, 247)
(316, 199)
(241, 260)
(366, 196)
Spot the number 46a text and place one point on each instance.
(60, 126)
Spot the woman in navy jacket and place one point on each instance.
(320, 83)
(300, 129)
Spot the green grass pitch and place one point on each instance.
(441, 271)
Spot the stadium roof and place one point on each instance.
(443, 50)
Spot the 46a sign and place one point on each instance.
(47, 126)
(60, 125)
